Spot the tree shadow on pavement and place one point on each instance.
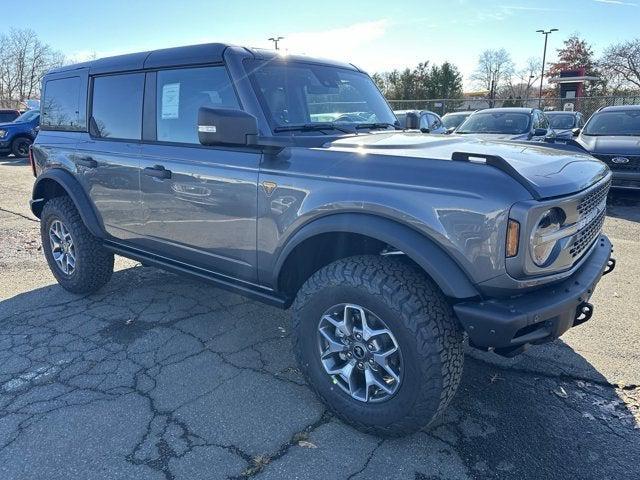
(158, 376)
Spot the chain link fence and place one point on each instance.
(586, 105)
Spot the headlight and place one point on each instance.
(546, 235)
(3, 133)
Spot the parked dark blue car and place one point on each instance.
(17, 136)
(612, 135)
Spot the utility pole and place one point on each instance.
(544, 58)
(275, 41)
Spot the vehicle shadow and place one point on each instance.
(11, 160)
(156, 368)
(624, 204)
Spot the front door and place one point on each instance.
(199, 203)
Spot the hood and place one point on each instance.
(614, 145)
(14, 124)
(564, 132)
(549, 171)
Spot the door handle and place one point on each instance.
(87, 162)
(157, 171)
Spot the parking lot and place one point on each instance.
(158, 376)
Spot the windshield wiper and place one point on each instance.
(311, 127)
(372, 126)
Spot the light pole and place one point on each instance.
(544, 58)
(275, 41)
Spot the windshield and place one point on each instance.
(624, 123)
(27, 116)
(496, 122)
(562, 121)
(307, 95)
(454, 120)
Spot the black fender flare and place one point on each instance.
(444, 271)
(74, 190)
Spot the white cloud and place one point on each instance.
(617, 2)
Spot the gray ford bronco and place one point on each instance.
(288, 179)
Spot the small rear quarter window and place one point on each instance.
(61, 105)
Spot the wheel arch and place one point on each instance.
(57, 182)
(375, 231)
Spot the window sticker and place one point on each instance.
(170, 101)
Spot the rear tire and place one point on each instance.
(421, 323)
(76, 258)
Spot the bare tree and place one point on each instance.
(520, 83)
(494, 68)
(24, 60)
(620, 63)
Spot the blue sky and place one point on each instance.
(374, 35)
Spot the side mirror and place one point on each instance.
(412, 121)
(425, 130)
(575, 131)
(450, 130)
(540, 132)
(226, 126)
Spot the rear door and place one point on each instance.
(108, 156)
(199, 202)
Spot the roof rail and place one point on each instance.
(499, 163)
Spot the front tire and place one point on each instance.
(76, 258)
(386, 398)
(20, 147)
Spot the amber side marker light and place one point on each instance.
(32, 162)
(513, 236)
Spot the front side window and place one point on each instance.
(301, 94)
(117, 106)
(562, 121)
(181, 93)
(61, 104)
(496, 122)
(622, 123)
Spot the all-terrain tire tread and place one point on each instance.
(422, 308)
(94, 262)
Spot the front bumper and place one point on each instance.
(623, 179)
(508, 326)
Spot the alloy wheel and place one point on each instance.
(359, 352)
(62, 247)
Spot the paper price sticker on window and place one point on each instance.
(170, 101)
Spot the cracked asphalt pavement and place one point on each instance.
(162, 377)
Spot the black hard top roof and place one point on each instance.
(182, 56)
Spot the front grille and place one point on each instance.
(585, 237)
(633, 165)
(592, 211)
(593, 199)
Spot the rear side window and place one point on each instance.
(116, 107)
(7, 117)
(61, 105)
(180, 93)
